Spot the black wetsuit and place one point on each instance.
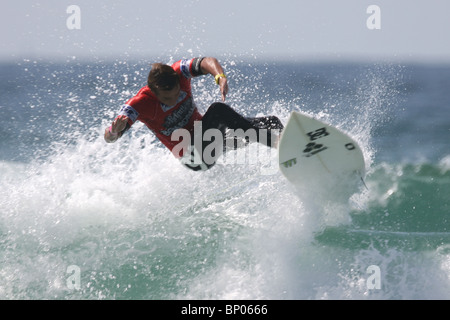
(221, 116)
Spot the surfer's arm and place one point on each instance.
(116, 129)
(210, 65)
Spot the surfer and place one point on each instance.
(166, 106)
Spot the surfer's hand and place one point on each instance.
(119, 124)
(223, 87)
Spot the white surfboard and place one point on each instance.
(313, 151)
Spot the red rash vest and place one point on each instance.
(161, 119)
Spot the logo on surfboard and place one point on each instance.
(312, 148)
(289, 163)
(317, 134)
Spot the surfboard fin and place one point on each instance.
(364, 183)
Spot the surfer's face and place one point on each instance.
(169, 97)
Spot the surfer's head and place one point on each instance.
(164, 83)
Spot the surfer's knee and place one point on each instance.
(267, 122)
(218, 108)
(275, 123)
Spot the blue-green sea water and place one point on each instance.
(82, 219)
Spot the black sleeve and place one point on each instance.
(196, 69)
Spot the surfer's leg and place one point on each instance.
(272, 124)
(268, 122)
(194, 160)
(221, 116)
